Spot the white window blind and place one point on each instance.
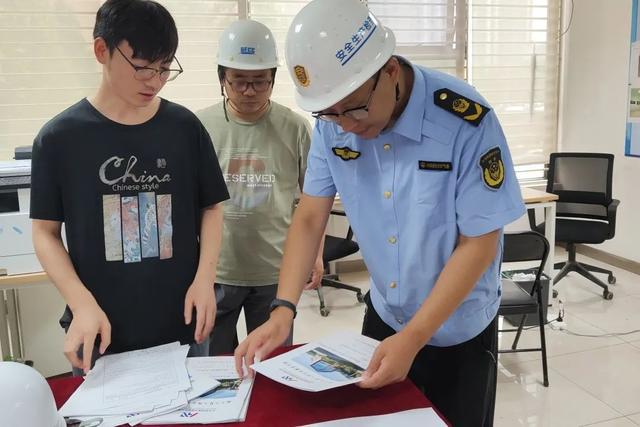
(514, 64)
(47, 62)
(277, 16)
(432, 33)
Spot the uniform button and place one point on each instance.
(393, 285)
(387, 194)
(392, 240)
(399, 321)
(386, 147)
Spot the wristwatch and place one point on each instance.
(283, 303)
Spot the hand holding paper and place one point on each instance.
(391, 361)
(263, 340)
(328, 363)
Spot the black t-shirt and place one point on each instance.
(130, 197)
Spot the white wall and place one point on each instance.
(593, 111)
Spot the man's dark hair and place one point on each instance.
(222, 70)
(145, 24)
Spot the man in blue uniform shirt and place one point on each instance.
(427, 182)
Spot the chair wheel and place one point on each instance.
(607, 295)
(555, 294)
(324, 312)
(611, 279)
(360, 297)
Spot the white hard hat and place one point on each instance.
(247, 45)
(332, 48)
(25, 398)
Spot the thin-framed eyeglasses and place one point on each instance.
(356, 113)
(146, 73)
(240, 86)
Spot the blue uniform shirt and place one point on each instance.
(411, 192)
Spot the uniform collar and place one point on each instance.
(409, 123)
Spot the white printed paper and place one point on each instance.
(423, 417)
(331, 362)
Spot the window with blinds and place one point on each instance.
(432, 33)
(514, 63)
(47, 62)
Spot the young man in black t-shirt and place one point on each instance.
(136, 182)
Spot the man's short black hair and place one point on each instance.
(145, 24)
(222, 70)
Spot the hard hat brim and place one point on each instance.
(248, 67)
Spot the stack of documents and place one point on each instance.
(136, 386)
(328, 363)
(226, 403)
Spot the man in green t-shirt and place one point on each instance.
(262, 147)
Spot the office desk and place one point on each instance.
(273, 404)
(21, 280)
(540, 199)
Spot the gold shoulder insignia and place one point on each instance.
(492, 168)
(461, 106)
(345, 153)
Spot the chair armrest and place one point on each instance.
(612, 209)
(531, 213)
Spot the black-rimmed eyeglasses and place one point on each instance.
(147, 73)
(240, 86)
(356, 113)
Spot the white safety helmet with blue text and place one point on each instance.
(247, 45)
(332, 48)
(25, 398)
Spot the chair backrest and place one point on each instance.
(339, 247)
(526, 246)
(582, 182)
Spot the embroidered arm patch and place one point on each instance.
(492, 168)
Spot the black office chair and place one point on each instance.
(336, 248)
(526, 246)
(585, 210)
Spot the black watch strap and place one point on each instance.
(283, 303)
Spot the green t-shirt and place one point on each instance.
(262, 163)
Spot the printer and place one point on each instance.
(17, 255)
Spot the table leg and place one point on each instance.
(550, 234)
(5, 347)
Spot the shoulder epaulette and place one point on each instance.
(461, 106)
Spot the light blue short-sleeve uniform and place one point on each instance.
(410, 193)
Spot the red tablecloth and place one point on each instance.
(273, 404)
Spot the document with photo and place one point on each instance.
(328, 363)
(228, 402)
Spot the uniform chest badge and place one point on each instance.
(345, 153)
(492, 168)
